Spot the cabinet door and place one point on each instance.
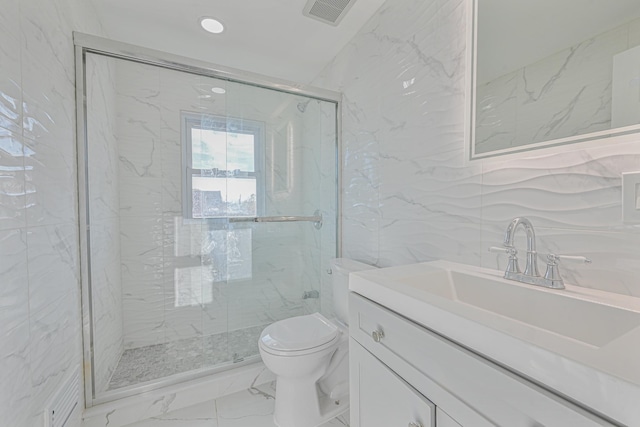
(380, 398)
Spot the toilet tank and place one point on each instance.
(340, 269)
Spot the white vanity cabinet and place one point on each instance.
(402, 373)
(384, 397)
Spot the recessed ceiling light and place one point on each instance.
(212, 25)
(218, 90)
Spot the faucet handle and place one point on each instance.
(552, 275)
(507, 250)
(553, 259)
(512, 265)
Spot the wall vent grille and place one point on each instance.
(328, 11)
(63, 403)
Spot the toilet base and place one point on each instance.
(304, 405)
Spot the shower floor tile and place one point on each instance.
(139, 365)
(248, 408)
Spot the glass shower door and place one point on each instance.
(180, 167)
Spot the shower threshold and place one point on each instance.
(142, 364)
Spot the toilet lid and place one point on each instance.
(298, 333)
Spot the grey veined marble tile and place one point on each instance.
(248, 408)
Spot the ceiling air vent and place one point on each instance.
(328, 11)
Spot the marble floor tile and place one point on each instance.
(248, 408)
(254, 408)
(202, 415)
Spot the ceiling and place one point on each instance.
(270, 37)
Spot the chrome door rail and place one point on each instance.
(316, 219)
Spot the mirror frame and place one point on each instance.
(607, 136)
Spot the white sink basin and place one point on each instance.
(556, 311)
(582, 343)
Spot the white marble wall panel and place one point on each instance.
(14, 329)
(409, 195)
(438, 187)
(412, 241)
(40, 296)
(53, 303)
(564, 188)
(10, 80)
(12, 181)
(50, 188)
(16, 393)
(48, 120)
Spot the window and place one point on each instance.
(223, 176)
(223, 162)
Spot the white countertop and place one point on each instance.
(604, 377)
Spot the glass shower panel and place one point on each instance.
(182, 280)
(104, 219)
(195, 308)
(280, 254)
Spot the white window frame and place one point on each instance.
(190, 120)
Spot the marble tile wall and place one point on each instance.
(156, 242)
(568, 93)
(39, 297)
(410, 196)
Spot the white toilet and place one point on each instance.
(309, 355)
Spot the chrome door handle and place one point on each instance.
(377, 335)
(415, 424)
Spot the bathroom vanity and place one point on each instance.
(443, 344)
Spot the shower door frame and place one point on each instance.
(89, 44)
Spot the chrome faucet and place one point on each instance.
(531, 275)
(531, 268)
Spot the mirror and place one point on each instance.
(550, 72)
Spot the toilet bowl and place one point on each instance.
(309, 356)
(302, 351)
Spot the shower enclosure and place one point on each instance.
(208, 205)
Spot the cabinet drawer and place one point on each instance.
(383, 398)
(449, 374)
(444, 420)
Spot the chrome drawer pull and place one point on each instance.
(415, 425)
(377, 335)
